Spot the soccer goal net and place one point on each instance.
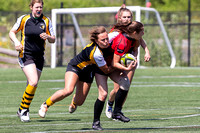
(80, 16)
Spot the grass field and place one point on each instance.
(160, 100)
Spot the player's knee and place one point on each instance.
(66, 92)
(124, 83)
(103, 96)
(33, 83)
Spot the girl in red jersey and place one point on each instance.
(125, 16)
(127, 41)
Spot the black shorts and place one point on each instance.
(29, 59)
(85, 75)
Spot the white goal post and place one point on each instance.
(136, 9)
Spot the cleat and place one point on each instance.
(42, 111)
(96, 126)
(120, 116)
(24, 115)
(72, 106)
(108, 111)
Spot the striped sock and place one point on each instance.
(27, 97)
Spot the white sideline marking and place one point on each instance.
(80, 113)
(136, 110)
(186, 76)
(144, 128)
(134, 84)
(178, 117)
(136, 77)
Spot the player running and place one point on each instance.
(35, 30)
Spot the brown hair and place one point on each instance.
(95, 31)
(35, 1)
(129, 28)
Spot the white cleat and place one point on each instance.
(108, 111)
(24, 115)
(42, 111)
(72, 106)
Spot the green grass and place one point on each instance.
(160, 100)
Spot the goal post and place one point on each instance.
(74, 11)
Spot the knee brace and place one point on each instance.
(124, 83)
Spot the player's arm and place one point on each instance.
(107, 69)
(13, 38)
(51, 39)
(101, 62)
(135, 49)
(116, 63)
(147, 56)
(49, 36)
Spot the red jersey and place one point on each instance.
(123, 44)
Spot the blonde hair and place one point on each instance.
(121, 10)
(35, 1)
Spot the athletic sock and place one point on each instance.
(110, 103)
(98, 107)
(27, 97)
(49, 102)
(119, 99)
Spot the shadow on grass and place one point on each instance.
(64, 120)
(172, 128)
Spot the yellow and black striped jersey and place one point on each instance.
(90, 55)
(31, 28)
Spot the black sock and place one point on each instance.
(110, 103)
(119, 99)
(98, 107)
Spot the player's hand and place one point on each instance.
(132, 65)
(18, 46)
(147, 57)
(44, 36)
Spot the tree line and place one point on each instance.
(160, 5)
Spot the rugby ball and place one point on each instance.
(126, 59)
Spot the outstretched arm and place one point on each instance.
(147, 56)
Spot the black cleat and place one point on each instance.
(96, 126)
(120, 116)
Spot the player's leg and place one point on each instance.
(87, 77)
(130, 75)
(111, 100)
(32, 76)
(71, 80)
(80, 95)
(121, 94)
(101, 81)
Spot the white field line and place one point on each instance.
(136, 77)
(80, 113)
(136, 110)
(133, 129)
(179, 117)
(134, 84)
(142, 128)
(89, 123)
